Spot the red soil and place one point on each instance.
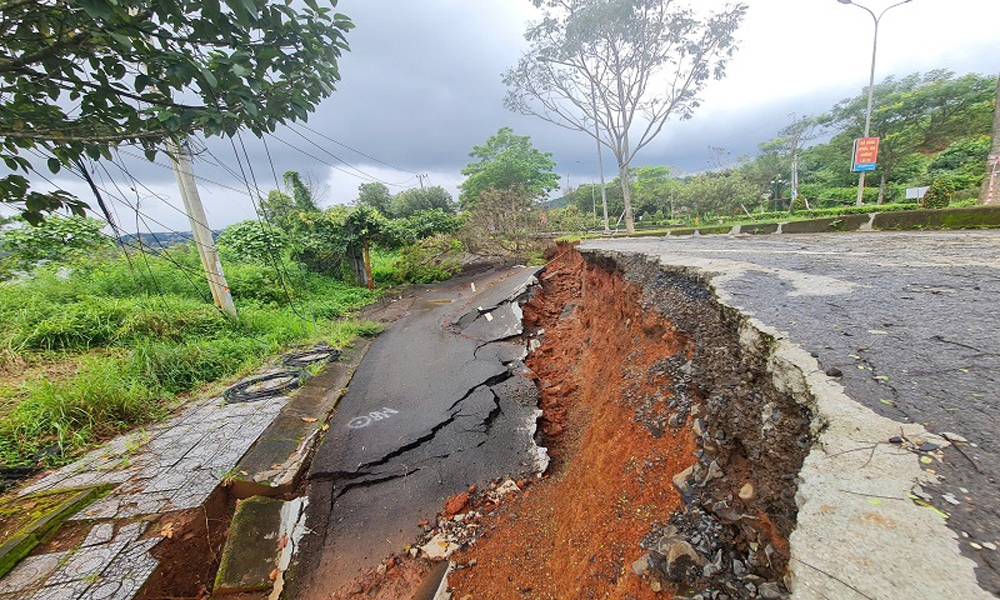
(576, 534)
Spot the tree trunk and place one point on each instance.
(626, 198)
(992, 180)
(356, 262)
(368, 267)
(881, 188)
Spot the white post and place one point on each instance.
(199, 228)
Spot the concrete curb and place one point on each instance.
(275, 463)
(972, 217)
(859, 533)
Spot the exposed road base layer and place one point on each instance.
(859, 533)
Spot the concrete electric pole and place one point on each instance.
(199, 228)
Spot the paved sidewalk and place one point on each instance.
(170, 467)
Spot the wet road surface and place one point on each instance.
(439, 403)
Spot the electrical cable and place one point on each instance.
(343, 145)
(277, 270)
(335, 157)
(302, 274)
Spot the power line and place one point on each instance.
(199, 177)
(331, 165)
(281, 275)
(261, 213)
(343, 145)
(335, 157)
(163, 254)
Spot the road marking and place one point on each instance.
(363, 421)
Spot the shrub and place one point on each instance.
(940, 193)
(252, 241)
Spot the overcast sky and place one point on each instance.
(421, 85)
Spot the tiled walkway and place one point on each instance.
(173, 466)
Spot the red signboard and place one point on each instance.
(865, 154)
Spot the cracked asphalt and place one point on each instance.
(911, 319)
(439, 403)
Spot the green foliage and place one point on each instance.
(503, 222)
(569, 219)
(435, 258)
(252, 240)
(79, 78)
(719, 193)
(798, 204)
(940, 193)
(375, 195)
(136, 338)
(966, 156)
(508, 161)
(58, 238)
(409, 202)
(423, 224)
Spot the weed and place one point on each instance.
(136, 345)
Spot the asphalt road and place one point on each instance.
(911, 319)
(440, 402)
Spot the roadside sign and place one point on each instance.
(916, 193)
(865, 154)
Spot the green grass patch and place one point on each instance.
(133, 340)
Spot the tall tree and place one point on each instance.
(78, 78)
(407, 203)
(626, 65)
(992, 179)
(507, 161)
(375, 195)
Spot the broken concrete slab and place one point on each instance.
(496, 313)
(57, 507)
(250, 555)
(276, 462)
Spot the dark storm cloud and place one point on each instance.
(421, 85)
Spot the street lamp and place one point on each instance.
(776, 191)
(871, 80)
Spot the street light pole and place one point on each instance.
(871, 80)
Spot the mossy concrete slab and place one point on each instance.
(251, 551)
(839, 223)
(759, 228)
(975, 217)
(38, 516)
(274, 464)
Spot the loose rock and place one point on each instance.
(456, 504)
(834, 372)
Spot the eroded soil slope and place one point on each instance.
(675, 458)
(606, 399)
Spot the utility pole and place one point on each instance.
(202, 234)
(421, 178)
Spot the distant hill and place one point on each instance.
(560, 202)
(159, 240)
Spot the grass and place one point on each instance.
(108, 347)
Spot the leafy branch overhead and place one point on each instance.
(79, 77)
